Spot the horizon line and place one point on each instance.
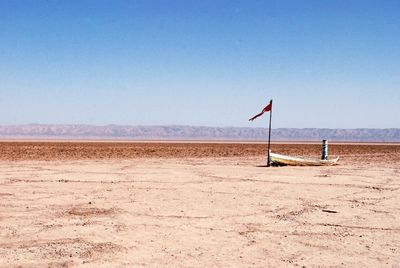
(183, 125)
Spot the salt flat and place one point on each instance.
(200, 211)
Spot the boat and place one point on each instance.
(284, 160)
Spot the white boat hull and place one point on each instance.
(284, 160)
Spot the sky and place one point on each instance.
(325, 63)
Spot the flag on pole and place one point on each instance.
(267, 108)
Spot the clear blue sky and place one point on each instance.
(326, 63)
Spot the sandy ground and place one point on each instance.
(191, 206)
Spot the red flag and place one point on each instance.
(267, 108)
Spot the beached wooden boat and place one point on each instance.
(284, 160)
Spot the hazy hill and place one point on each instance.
(35, 131)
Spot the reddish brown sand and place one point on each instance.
(51, 151)
(107, 204)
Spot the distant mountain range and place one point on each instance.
(37, 131)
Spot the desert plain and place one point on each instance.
(196, 204)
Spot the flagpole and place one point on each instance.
(269, 137)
